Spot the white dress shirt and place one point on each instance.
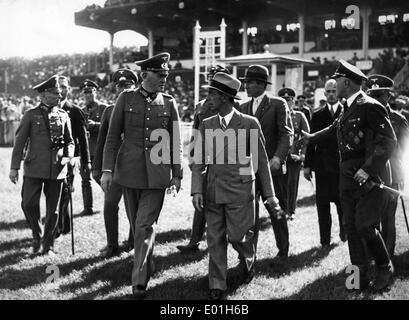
(256, 102)
(227, 117)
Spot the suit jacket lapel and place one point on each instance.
(339, 110)
(235, 124)
(261, 108)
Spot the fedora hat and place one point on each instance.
(257, 72)
(226, 84)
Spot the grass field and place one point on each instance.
(312, 273)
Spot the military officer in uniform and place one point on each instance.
(323, 159)
(230, 197)
(148, 161)
(379, 88)
(297, 151)
(79, 135)
(274, 117)
(204, 110)
(93, 112)
(366, 140)
(124, 79)
(47, 130)
(303, 107)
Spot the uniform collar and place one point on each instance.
(352, 98)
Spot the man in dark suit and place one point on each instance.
(366, 140)
(124, 79)
(47, 130)
(148, 161)
(204, 110)
(79, 135)
(93, 112)
(379, 88)
(323, 158)
(231, 169)
(274, 117)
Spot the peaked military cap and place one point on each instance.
(47, 84)
(124, 75)
(89, 85)
(379, 82)
(286, 92)
(349, 71)
(256, 72)
(158, 62)
(225, 83)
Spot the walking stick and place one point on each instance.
(71, 219)
(404, 213)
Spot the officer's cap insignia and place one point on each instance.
(375, 86)
(382, 126)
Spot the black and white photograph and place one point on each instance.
(190, 152)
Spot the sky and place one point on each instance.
(33, 28)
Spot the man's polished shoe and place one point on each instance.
(88, 212)
(110, 252)
(326, 246)
(190, 247)
(343, 236)
(249, 275)
(48, 252)
(139, 292)
(279, 263)
(36, 246)
(217, 294)
(383, 278)
(128, 246)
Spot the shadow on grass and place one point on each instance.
(20, 224)
(273, 267)
(306, 201)
(14, 279)
(330, 287)
(171, 236)
(117, 273)
(15, 244)
(12, 258)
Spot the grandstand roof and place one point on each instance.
(167, 17)
(264, 58)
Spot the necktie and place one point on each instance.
(345, 106)
(223, 124)
(331, 110)
(255, 106)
